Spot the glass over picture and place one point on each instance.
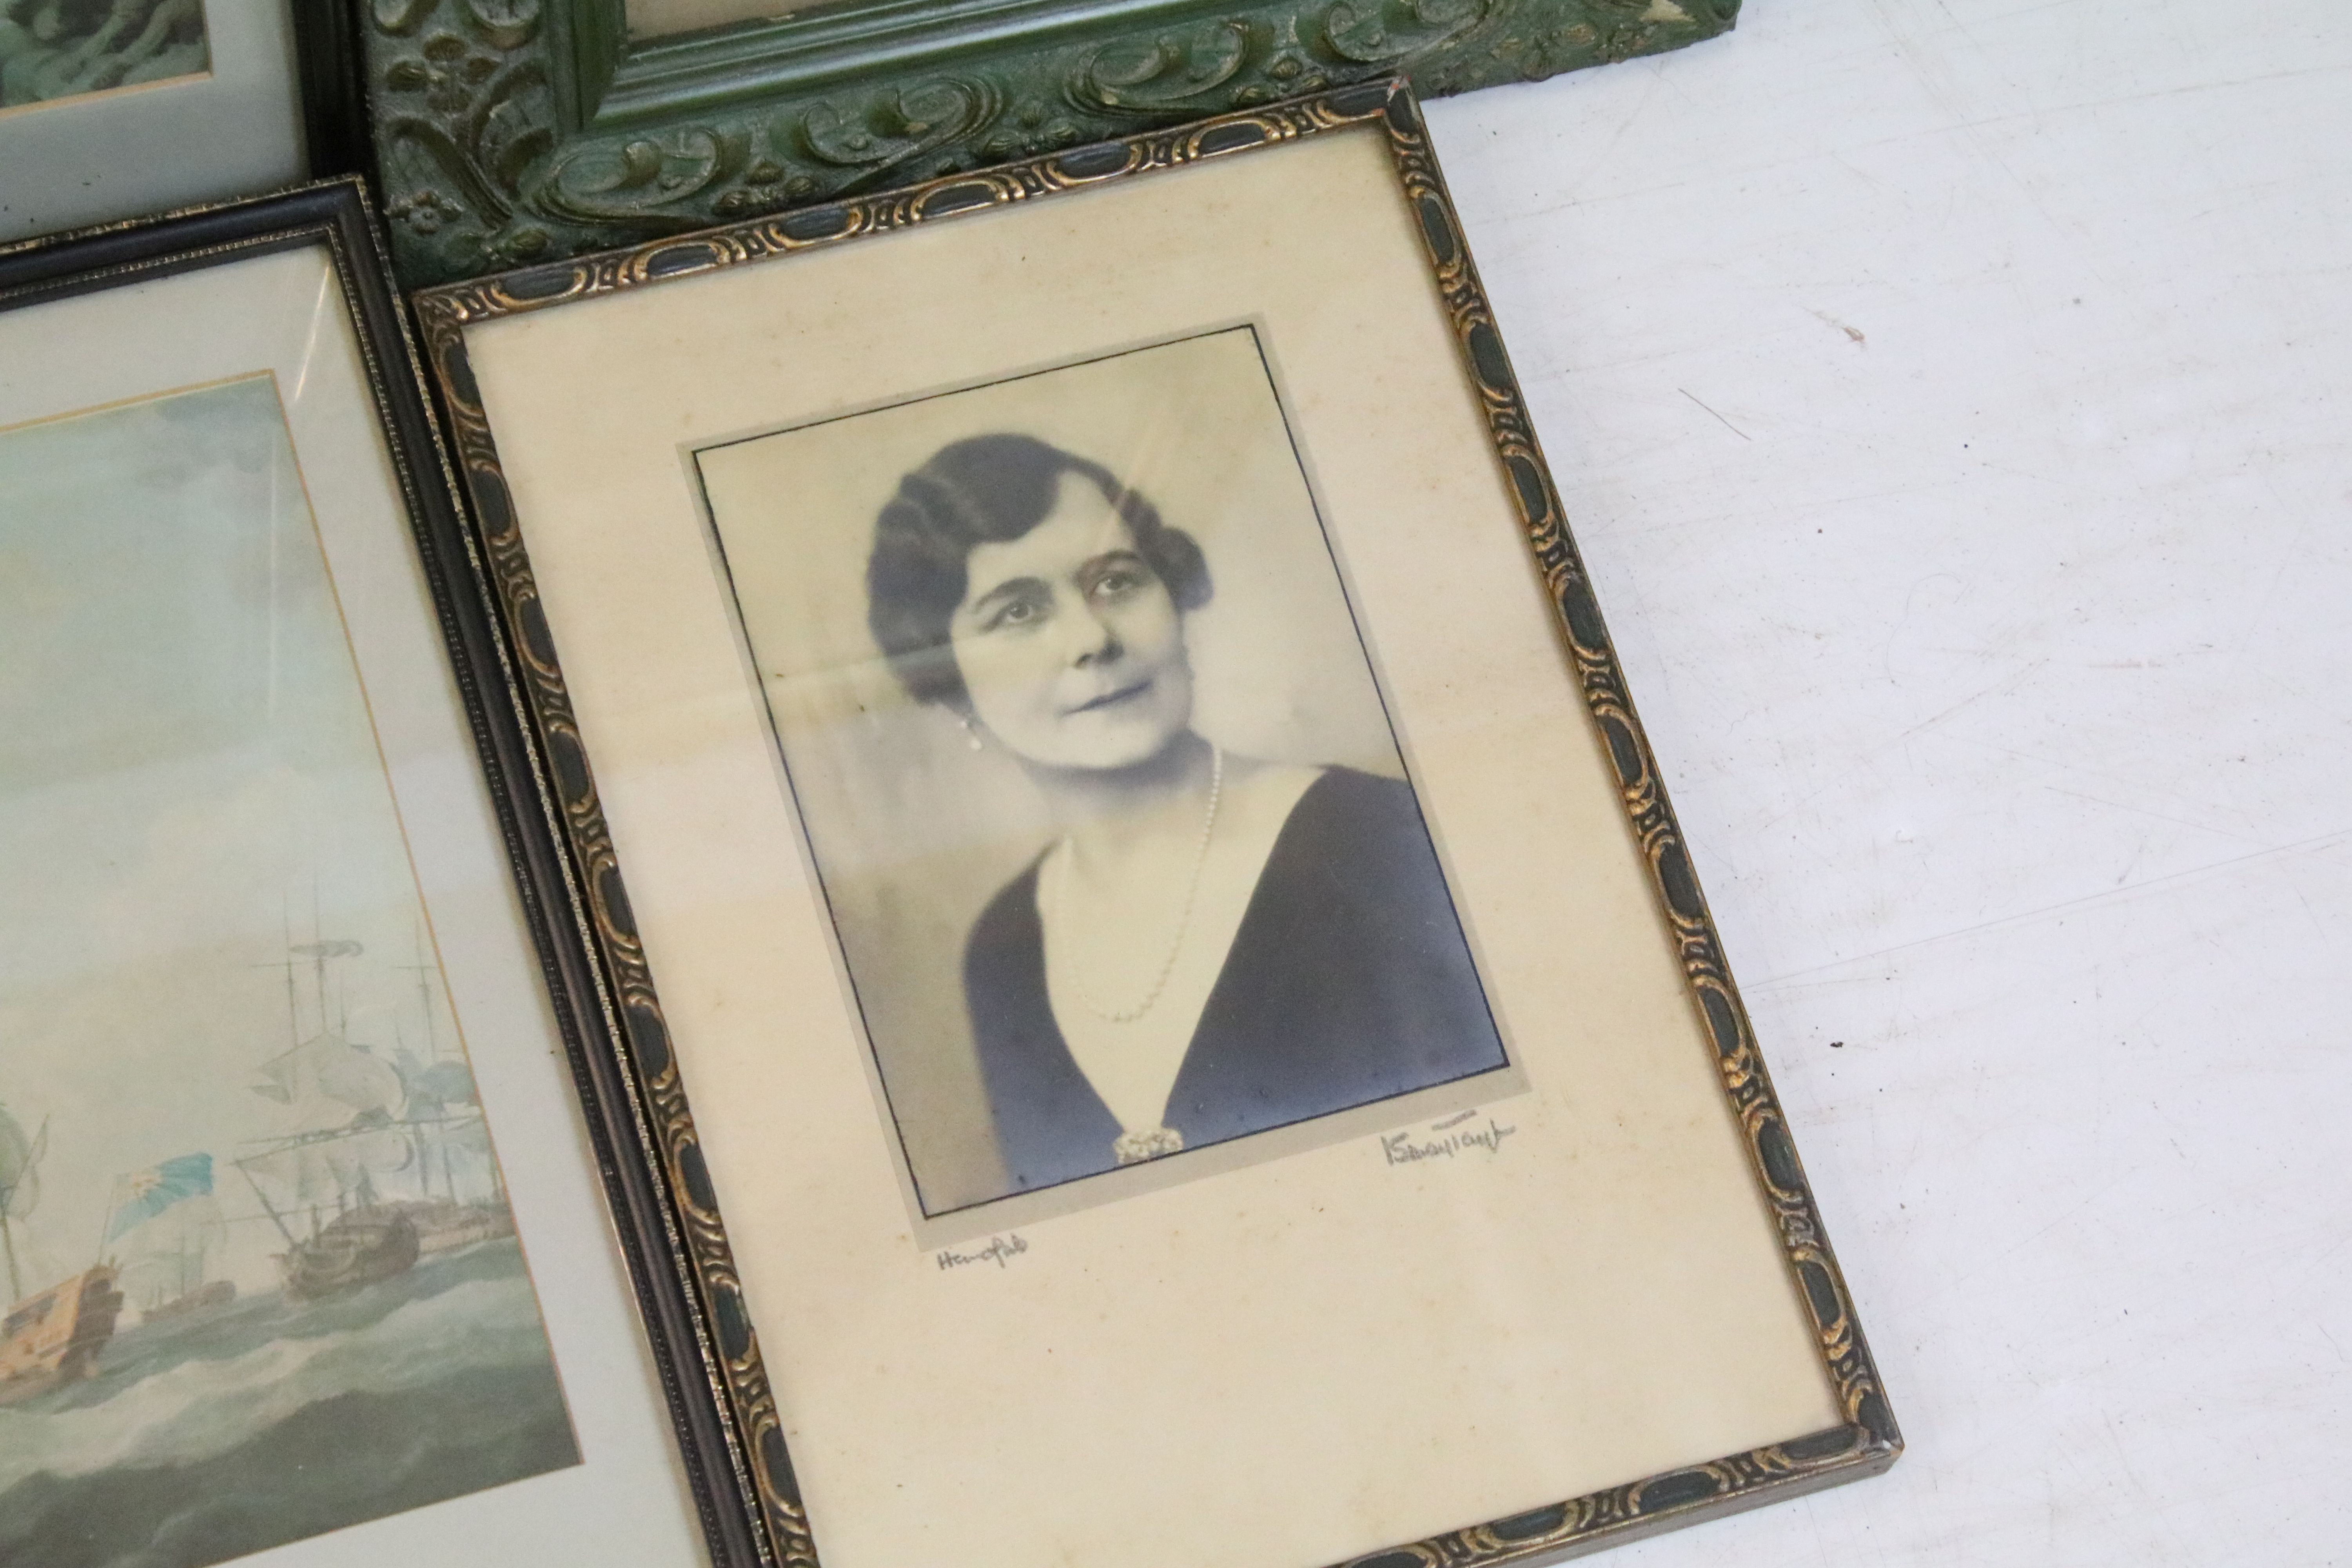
(263, 1280)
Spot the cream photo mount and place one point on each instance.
(1699, 1354)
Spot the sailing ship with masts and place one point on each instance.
(386, 1157)
(52, 1337)
(166, 1235)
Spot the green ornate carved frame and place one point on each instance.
(729, 1424)
(514, 132)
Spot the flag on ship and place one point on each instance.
(150, 1192)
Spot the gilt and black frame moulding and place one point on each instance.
(336, 213)
(513, 131)
(635, 1082)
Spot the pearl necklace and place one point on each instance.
(1056, 892)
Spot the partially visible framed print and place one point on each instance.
(301, 1234)
(514, 132)
(109, 109)
(1198, 1015)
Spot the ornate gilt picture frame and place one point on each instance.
(804, 1318)
(515, 132)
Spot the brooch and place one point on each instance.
(1134, 1148)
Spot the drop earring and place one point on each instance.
(971, 735)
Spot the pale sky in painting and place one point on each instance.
(185, 763)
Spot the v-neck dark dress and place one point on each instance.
(1347, 982)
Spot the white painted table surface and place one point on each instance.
(1953, 399)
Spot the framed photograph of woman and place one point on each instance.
(1122, 854)
(1147, 947)
(303, 1245)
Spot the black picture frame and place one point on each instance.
(338, 214)
(334, 90)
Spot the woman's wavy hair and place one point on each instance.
(988, 490)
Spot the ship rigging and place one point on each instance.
(361, 1126)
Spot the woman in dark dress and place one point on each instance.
(1213, 945)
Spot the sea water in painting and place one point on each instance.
(262, 1278)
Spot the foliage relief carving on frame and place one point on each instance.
(482, 168)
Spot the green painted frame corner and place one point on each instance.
(514, 132)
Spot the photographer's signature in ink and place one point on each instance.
(1446, 1140)
(1000, 1250)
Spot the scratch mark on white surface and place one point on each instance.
(1820, 1544)
(1999, 688)
(2154, 1511)
(1600, 159)
(1930, 64)
(2069, 1211)
(2319, 846)
(2160, 816)
(1726, 423)
(1592, 201)
(1959, 588)
(2129, 780)
(1666, 80)
(1852, 335)
(2317, 923)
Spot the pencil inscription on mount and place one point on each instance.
(1438, 1144)
(262, 1278)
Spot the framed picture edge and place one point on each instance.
(280, 103)
(519, 134)
(631, 1073)
(333, 83)
(338, 213)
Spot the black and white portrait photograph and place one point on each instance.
(1113, 828)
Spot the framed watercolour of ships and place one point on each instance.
(301, 1240)
(1137, 843)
